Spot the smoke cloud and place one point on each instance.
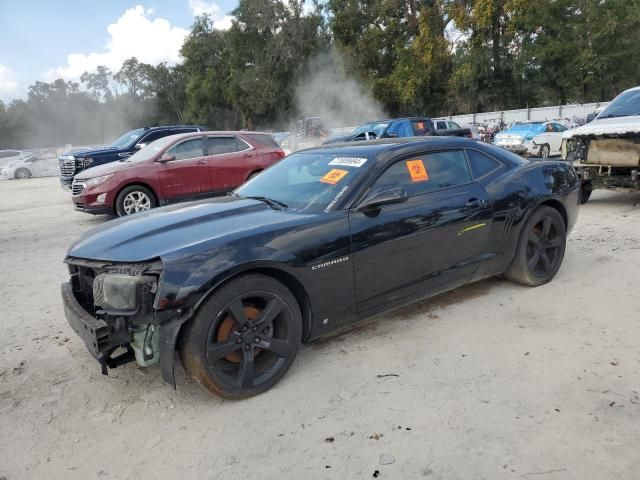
(328, 91)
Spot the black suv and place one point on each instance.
(75, 161)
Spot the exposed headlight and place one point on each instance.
(92, 182)
(121, 293)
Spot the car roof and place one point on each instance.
(180, 136)
(391, 146)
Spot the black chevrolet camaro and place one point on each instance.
(322, 239)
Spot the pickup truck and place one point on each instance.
(606, 151)
(399, 127)
(75, 161)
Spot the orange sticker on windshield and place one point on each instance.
(334, 176)
(417, 171)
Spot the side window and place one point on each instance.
(454, 125)
(442, 125)
(426, 173)
(220, 145)
(420, 127)
(481, 164)
(559, 127)
(401, 129)
(188, 149)
(153, 136)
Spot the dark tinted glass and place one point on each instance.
(420, 127)
(426, 173)
(153, 136)
(220, 145)
(263, 139)
(481, 164)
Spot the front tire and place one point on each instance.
(22, 174)
(134, 199)
(545, 150)
(244, 337)
(540, 249)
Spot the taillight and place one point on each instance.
(281, 154)
(469, 135)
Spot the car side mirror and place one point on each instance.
(392, 135)
(140, 146)
(166, 157)
(383, 197)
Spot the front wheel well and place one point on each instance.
(289, 281)
(132, 184)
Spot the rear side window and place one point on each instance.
(187, 149)
(221, 145)
(481, 164)
(263, 140)
(426, 173)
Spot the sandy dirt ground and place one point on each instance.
(491, 381)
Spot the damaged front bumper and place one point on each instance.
(101, 339)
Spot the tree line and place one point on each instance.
(433, 57)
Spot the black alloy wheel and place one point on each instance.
(541, 248)
(244, 338)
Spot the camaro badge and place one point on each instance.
(330, 263)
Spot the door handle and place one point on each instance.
(473, 202)
(247, 154)
(201, 162)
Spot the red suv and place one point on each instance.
(178, 167)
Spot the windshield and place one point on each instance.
(526, 128)
(310, 182)
(128, 138)
(624, 105)
(151, 150)
(376, 127)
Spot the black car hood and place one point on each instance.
(172, 231)
(86, 152)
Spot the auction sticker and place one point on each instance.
(348, 161)
(334, 176)
(417, 171)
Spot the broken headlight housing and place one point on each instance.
(124, 294)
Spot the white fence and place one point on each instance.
(541, 114)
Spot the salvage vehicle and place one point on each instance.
(174, 168)
(38, 165)
(399, 127)
(324, 238)
(606, 151)
(538, 139)
(75, 161)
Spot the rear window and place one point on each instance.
(481, 164)
(263, 139)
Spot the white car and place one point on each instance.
(8, 156)
(538, 139)
(39, 165)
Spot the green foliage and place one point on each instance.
(430, 57)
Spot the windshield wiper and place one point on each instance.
(277, 204)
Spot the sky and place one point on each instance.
(47, 39)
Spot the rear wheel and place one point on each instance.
(540, 250)
(134, 199)
(22, 174)
(244, 338)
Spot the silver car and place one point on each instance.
(39, 165)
